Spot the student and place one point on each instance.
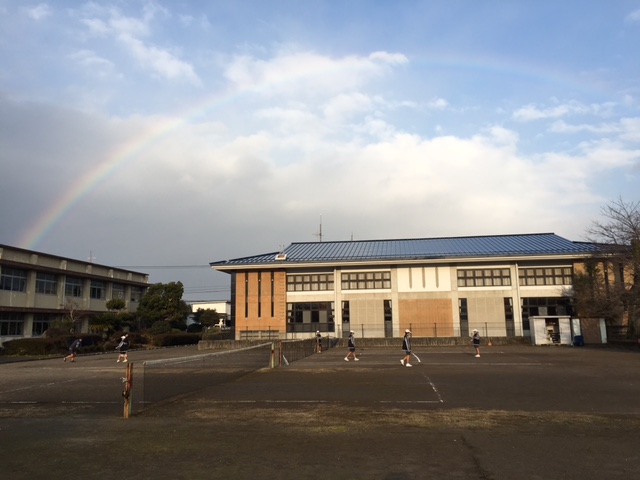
(406, 346)
(73, 350)
(475, 339)
(123, 348)
(318, 342)
(352, 348)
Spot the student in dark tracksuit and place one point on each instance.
(352, 348)
(406, 346)
(73, 350)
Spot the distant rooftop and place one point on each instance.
(416, 249)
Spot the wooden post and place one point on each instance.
(126, 393)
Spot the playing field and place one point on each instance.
(516, 412)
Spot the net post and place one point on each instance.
(273, 355)
(126, 393)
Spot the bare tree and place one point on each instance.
(618, 236)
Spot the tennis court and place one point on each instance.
(517, 412)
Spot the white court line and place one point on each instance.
(41, 385)
(59, 403)
(321, 401)
(529, 364)
(435, 390)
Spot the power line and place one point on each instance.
(168, 267)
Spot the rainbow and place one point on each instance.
(129, 151)
(34, 235)
(113, 162)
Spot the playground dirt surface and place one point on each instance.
(517, 412)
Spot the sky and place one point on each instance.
(161, 136)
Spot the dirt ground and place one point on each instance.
(515, 413)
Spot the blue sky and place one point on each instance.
(156, 134)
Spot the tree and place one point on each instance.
(618, 238)
(163, 302)
(116, 304)
(207, 317)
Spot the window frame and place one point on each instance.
(74, 287)
(13, 279)
(483, 277)
(545, 276)
(46, 283)
(368, 280)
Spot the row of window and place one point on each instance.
(12, 324)
(349, 281)
(15, 280)
(309, 316)
(476, 277)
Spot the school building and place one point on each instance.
(37, 288)
(437, 287)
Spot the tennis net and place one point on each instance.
(168, 379)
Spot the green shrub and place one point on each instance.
(51, 346)
(160, 327)
(35, 346)
(175, 339)
(217, 334)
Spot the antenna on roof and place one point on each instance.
(91, 257)
(319, 234)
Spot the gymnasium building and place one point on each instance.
(502, 285)
(37, 288)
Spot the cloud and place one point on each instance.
(633, 17)
(131, 33)
(531, 112)
(603, 129)
(94, 64)
(39, 12)
(160, 61)
(389, 58)
(626, 129)
(306, 73)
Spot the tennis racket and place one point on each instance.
(417, 357)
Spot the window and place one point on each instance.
(388, 318)
(543, 306)
(136, 293)
(11, 324)
(545, 276)
(41, 323)
(98, 290)
(366, 280)
(508, 317)
(310, 282)
(259, 295)
(273, 295)
(310, 317)
(13, 279)
(345, 311)
(46, 283)
(486, 277)
(463, 312)
(118, 291)
(73, 287)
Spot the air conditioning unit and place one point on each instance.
(281, 256)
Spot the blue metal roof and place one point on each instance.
(422, 248)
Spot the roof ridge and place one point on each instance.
(426, 238)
